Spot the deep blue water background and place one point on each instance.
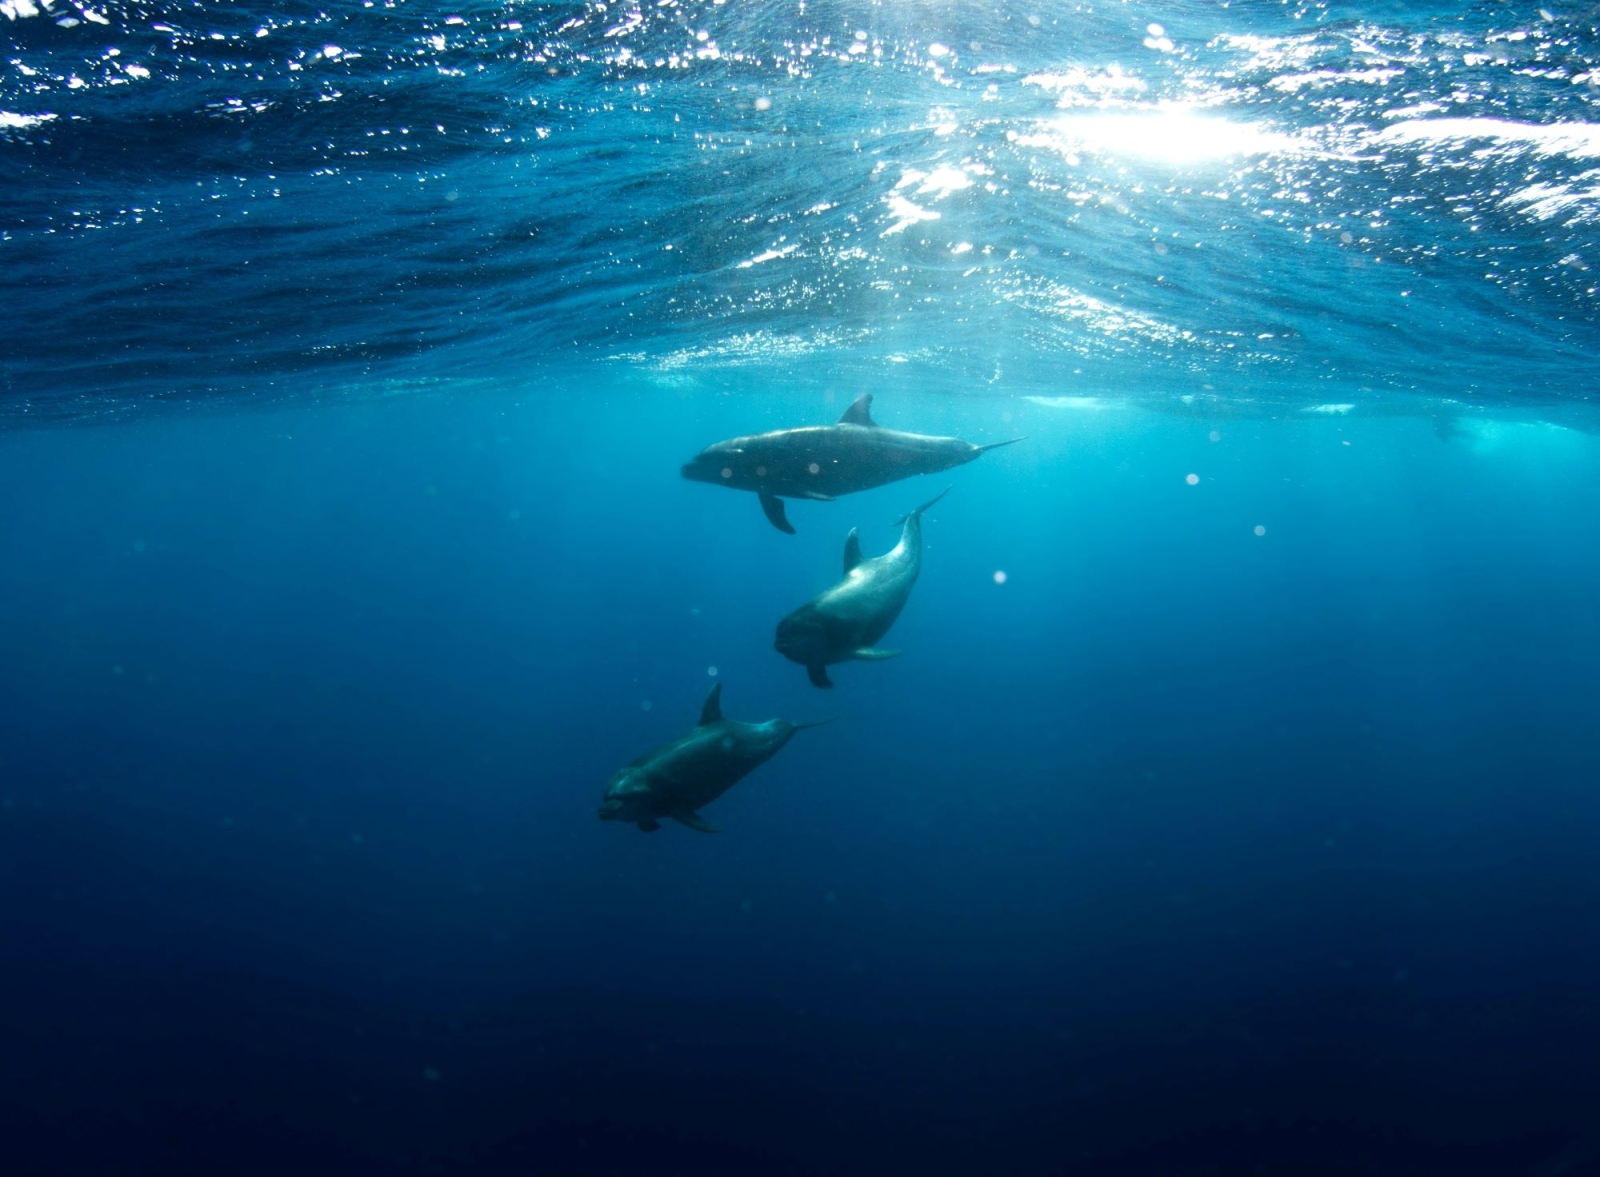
(1247, 825)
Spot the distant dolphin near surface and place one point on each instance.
(677, 779)
(844, 623)
(824, 461)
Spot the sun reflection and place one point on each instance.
(1168, 132)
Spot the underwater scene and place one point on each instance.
(813, 587)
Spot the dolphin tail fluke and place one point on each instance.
(994, 445)
(773, 506)
(819, 676)
(917, 514)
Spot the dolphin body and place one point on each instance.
(692, 771)
(843, 623)
(824, 461)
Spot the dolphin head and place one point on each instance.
(724, 464)
(627, 797)
(802, 638)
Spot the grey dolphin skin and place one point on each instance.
(824, 461)
(677, 779)
(845, 622)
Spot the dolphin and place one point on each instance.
(823, 461)
(844, 622)
(679, 778)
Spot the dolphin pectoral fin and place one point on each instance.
(873, 654)
(695, 822)
(859, 412)
(649, 825)
(819, 676)
(773, 506)
(852, 551)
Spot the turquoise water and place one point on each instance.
(1231, 807)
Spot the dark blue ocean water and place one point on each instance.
(1234, 806)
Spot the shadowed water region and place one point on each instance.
(1230, 805)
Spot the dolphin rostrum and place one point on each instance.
(844, 622)
(676, 779)
(822, 461)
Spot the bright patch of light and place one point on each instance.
(1068, 402)
(21, 122)
(1316, 79)
(1079, 87)
(769, 255)
(1544, 201)
(905, 215)
(1580, 140)
(938, 183)
(1169, 133)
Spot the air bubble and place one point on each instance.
(1260, 530)
(999, 576)
(1192, 479)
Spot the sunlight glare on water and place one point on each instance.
(967, 197)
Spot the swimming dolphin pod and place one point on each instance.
(679, 778)
(825, 461)
(846, 621)
(843, 624)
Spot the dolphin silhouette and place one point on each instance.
(844, 623)
(824, 461)
(678, 778)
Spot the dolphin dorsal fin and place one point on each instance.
(852, 551)
(712, 711)
(859, 412)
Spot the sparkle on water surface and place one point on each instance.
(1259, 200)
